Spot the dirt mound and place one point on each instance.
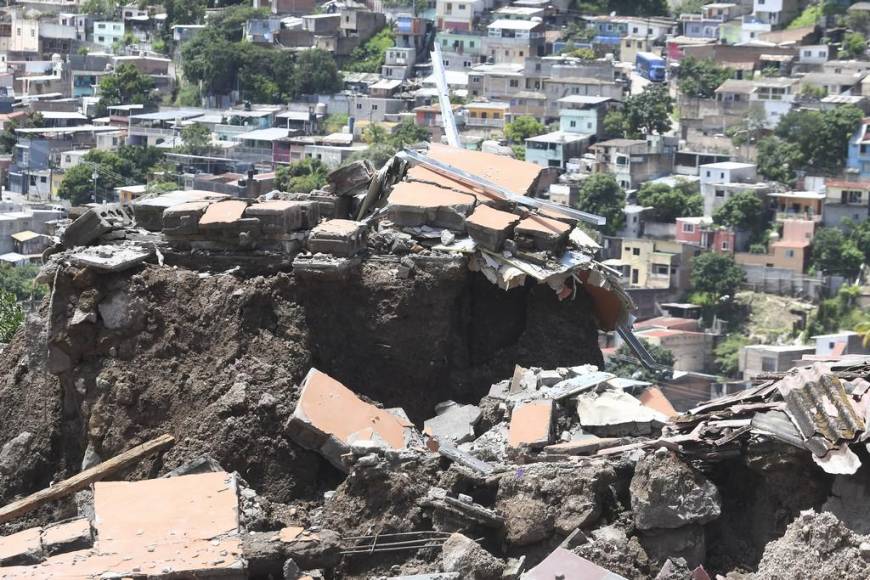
(816, 546)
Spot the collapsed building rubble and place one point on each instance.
(349, 352)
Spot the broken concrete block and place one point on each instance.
(564, 564)
(352, 178)
(463, 555)
(149, 212)
(337, 237)
(668, 493)
(223, 215)
(455, 424)
(111, 258)
(687, 542)
(522, 380)
(67, 536)
(22, 548)
(329, 417)
(116, 310)
(183, 219)
(281, 217)
(14, 451)
(585, 445)
(531, 424)
(537, 232)
(615, 413)
(418, 204)
(489, 228)
(267, 552)
(94, 223)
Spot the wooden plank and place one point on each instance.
(84, 479)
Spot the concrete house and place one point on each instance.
(106, 33)
(664, 264)
(514, 40)
(556, 148)
(766, 358)
(846, 200)
(790, 252)
(777, 13)
(457, 14)
(584, 114)
(632, 161)
(719, 181)
(840, 343)
(858, 161)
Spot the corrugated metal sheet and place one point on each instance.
(818, 404)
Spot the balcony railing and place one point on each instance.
(480, 122)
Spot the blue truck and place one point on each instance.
(650, 66)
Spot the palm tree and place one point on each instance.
(863, 328)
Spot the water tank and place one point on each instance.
(320, 109)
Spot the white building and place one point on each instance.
(107, 33)
(719, 181)
(777, 97)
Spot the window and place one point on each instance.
(721, 175)
(661, 269)
(18, 32)
(470, 44)
(589, 125)
(724, 245)
(789, 253)
(374, 107)
(634, 30)
(720, 193)
(768, 364)
(32, 180)
(521, 53)
(572, 123)
(462, 6)
(808, 53)
(514, 83)
(635, 252)
(43, 179)
(688, 228)
(496, 115)
(708, 173)
(101, 39)
(101, 26)
(359, 106)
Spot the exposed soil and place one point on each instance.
(215, 360)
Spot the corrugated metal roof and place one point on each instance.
(818, 404)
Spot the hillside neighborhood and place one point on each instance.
(666, 203)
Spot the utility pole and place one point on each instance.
(94, 176)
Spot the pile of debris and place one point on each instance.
(474, 207)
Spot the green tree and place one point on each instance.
(701, 78)
(9, 138)
(669, 203)
(11, 316)
(523, 127)
(778, 160)
(854, 45)
(100, 9)
(601, 195)
(126, 86)
(743, 211)
(183, 12)
(230, 22)
(716, 274)
(378, 154)
(20, 281)
(614, 124)
(301, 177)
(750, 128)
(409, 133)
(648, 112)
(727, 355)
(625, 363)
(821, 138)
(196, 140)
(315, 72)
(834, 253)
(375, 134)
(335, 122)
(128, 165)
(370, 56)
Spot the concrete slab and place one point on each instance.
(537, 232)
(111, 258)
(455, 424)
(417, 204)
(490, 227)
(25, 547)
(224, 214)
(531, 424)
(329, 417)
(564, 564)
(337, 237)
(183, 219)
(67, 536)
(149, 212)
(282, 216)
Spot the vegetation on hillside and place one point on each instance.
(369, 58)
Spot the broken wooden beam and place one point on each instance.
(84, 479)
